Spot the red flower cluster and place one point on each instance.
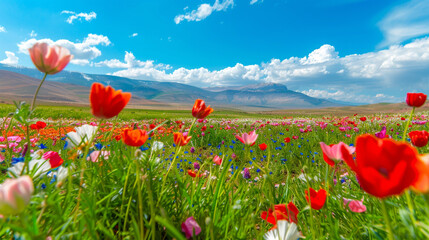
(38, 125)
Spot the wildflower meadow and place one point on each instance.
(196, 176)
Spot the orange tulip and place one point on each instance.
(422, 183)
(49, 59)
(106, 102)
(134, 138)
(180, 139)
(200, 110)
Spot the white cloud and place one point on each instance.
(255, 1)
(406, 21)
(348, 96)
(82, 51)
(80, 16)
(134, 35)
(11, 59)
(368, 77)
(2, 29)
(203, 11)
(130, 62)
(33, 34)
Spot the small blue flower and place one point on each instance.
(42, 146)
(99, 146)
(17, 160)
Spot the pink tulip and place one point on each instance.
(16, 139)
(217, 160)
(332, 153)
(189, 226)
(354, 205)
(94, 156)
(15, 194)
(54, 159)
(248, 138)
(49, 59)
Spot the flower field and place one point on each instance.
(194, 176)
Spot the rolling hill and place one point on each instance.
(176, 95)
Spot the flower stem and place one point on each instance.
(410, 206)
(404, 135)
(37, 92)
(387, 219)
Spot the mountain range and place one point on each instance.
(21, 82)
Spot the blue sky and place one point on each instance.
(350, 50)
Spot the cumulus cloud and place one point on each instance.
(83, 51)
(203, 11)
(134, 35)
(131, 62)
(79, 16)
(368, 76)
(2, 29)
(11, 59)
(406, 21)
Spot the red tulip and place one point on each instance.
(384, 167)
(317, 199)
(416, 99)
(217, 160)
(419, 138)
(54, 159)
(200, 110)
(281, 212)
(40, 124)
(180, 139)
(192, 173)
(263, 146)
(49, 59)
(134, 138)
(106, 102)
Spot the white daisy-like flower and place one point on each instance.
(39, 166)
(284, 231)
(82, 136)
(62, 173)
(156, 146)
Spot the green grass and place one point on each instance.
(129, 195)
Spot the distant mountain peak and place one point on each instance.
(265, 87)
